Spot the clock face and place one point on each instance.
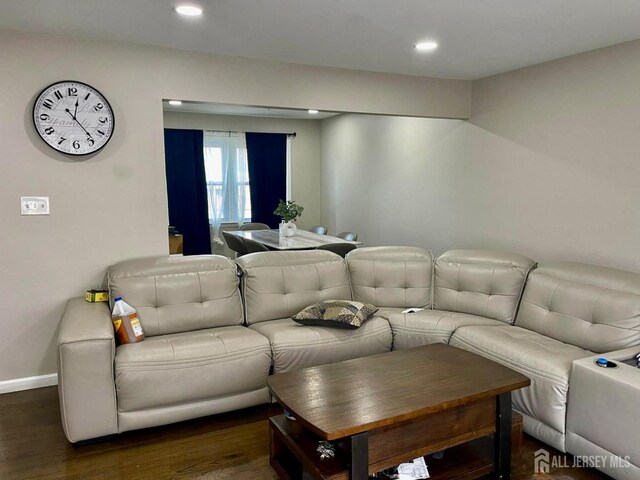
(73, 118)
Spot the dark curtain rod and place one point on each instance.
(290, 134)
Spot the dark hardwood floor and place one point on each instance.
(227, 446)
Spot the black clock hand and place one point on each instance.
(75, 112)
(76, 120)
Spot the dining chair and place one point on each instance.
(340, 248)
(352, 237)
(319, 229)
(252, 246)
(235, 243)
(255, 226)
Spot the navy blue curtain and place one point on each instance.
(187, 189)
(267, 159)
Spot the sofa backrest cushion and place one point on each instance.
(277, 285)
(591, 307)
(480, 282)
(391, 276)
(178, 294)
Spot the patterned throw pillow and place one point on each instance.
(336, 313)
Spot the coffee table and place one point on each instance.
(382, 410)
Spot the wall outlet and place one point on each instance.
(34, 205)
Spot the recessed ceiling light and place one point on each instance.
(313, 112)
(175, 102)
(426, 46)
(189, 10)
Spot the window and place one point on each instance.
(227, 174)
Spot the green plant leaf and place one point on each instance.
(288, 210)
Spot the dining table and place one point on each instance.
(302, 240)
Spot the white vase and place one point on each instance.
(287, 229)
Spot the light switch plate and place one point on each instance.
(34, 205)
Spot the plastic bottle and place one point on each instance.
(126, 323)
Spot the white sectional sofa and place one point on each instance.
(213, 339)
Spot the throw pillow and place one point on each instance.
(336, 313)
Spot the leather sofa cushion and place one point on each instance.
(594, 308)
(280, 284)
(297, 346)
(480, 282)
(386, 312)
(178, 294)
(547, 362)
(189, 367)
(391, 276)
(431, 326)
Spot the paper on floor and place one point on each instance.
(413, 471)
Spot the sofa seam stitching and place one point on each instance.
(143, 366)
(486, 312)
(290, 346)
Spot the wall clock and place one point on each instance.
(73, 118)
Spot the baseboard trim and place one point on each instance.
(27, 383)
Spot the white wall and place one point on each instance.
(395, 180)
(113, 206)
(548, 166)
(305, 151)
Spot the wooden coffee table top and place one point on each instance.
(354, 396)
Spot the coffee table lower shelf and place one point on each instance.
(293, 451)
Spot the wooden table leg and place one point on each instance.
(360, 456)
(502, 438)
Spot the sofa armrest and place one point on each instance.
(603, 405)
(619, 355)
(86, 352)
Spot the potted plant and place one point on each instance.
(289, 211)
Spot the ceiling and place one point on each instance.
(243, 110)
(477, 38)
